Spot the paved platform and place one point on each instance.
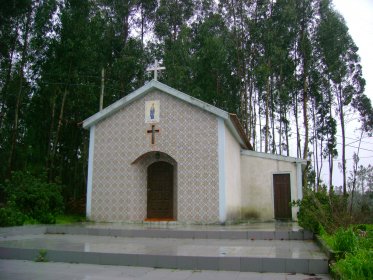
(26, 270)
(264, 248)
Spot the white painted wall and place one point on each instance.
(222, 172)
(232, 177)
(257, 184)
(90, 171)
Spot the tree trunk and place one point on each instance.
(267, 119)
(250, 112)
(280, 133)
(51, 128)
(19, 93)
(305, 114)
(251, 127)
(330, 171)
(274, 150)
(299, 152)
(7, 78)
(253, 117)
(331, 153)
(305, 120)
(341, 119)
(56, 139)
(315, 146)
(287, 136)
(142, 28)
(356, 163)
(260, 126)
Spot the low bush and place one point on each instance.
(355, 266)
(326, 214)
(11, 216)
(30, 198)
(321, 209)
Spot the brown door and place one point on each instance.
(282, 196)
(160, 191)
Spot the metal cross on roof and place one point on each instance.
(155, 68)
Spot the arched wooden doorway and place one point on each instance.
(160, 191)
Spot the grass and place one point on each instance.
(70, 219)
(356, 266)
(42, 257)
(356, 247)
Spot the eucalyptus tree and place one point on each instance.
(213, 63)
(178, 59)
(363, 105)
(237, 15)
(146, 11)
(126, 24)
(12, 19)
(342, 64)
(171, 15)
(173, 40)
(70, 42)
(324, 124)
(16, 25)
(284, 32)
(55, 94)
(306, 14)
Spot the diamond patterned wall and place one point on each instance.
(187, 134)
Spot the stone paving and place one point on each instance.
(27, 270)
(266, 247)
(170, 246)
(256, 231)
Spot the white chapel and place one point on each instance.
(159, 154)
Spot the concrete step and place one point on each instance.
(262, 231)
(284, 256)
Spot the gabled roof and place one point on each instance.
(230, 120)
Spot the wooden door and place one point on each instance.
(160, 191)
(282, 196)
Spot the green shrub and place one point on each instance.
(356, 266)
(322, 210)
(11, 216)
(314, 210)
(33, 197)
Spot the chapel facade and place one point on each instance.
(160, 154)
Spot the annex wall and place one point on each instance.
(232, 176)
(187, 134)
(257, 184)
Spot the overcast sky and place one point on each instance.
(359, 18)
